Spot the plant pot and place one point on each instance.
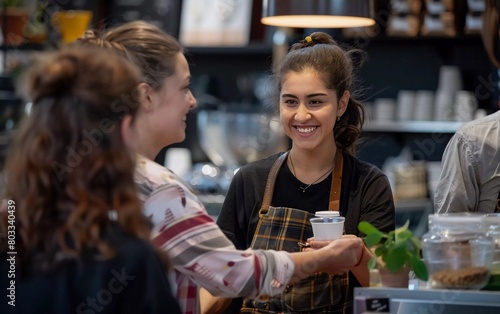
(15, 22)
(399, 279)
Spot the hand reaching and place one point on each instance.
(338, 256)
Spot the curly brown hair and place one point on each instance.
(146, 45)
(68, 167)
(334, 65)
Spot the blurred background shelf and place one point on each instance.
(251, 49)
(413, 126)
(5, 137)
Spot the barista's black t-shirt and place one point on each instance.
(365, 195)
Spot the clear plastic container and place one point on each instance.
(457, 252)
(492, 228)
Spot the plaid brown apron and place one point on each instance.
(281, 228)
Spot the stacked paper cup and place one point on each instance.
(444, 104)
(465, 106)
(450, 82)
(384, 109)
(405, 105)
(424, 105)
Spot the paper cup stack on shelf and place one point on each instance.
(450, 82)
(424, 105)
(465, 106)
(384, 109)
(405, 105)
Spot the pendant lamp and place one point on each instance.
(317, 13)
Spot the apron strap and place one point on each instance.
(271, 178)
(336, 183)
(334, 203)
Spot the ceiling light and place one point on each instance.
(317, 13)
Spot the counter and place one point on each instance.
(405, 301)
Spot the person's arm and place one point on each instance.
(376, 207)
(333, 257)
(210, 304)
(457, 189)
(336, 257)
(200, 251)
(360, 268)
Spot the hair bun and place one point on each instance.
(52, 77)
(315, 38)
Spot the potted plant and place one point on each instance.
(396, 253)
(16, 17)
(12, 3)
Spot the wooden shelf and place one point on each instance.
(26, 46)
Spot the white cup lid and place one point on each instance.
(327, 213)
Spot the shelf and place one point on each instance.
(26, 46)
(413, 126)
(251, 49)
(260, 48)
(462, 39)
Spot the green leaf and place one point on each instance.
(419, 268)
(404, 235)
(372, 262)
(373, 239)
(403, 227)
(367, 228)
(417, 244)
(395, 258)
(379, 251)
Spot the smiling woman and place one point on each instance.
(270, 202)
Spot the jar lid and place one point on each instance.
(456, 217)
(464, 238)
(492, 219)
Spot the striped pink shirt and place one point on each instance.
(199, 252)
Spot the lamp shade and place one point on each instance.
(317, 13)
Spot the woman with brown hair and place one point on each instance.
(73, 235)
(320, 113)
(200, 253)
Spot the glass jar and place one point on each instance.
(457, 252)
(492, 228)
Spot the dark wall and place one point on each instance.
(393, 64)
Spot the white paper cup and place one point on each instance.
(405, 105)
(385, 109)
(328, 229)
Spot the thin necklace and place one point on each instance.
(303, 189)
